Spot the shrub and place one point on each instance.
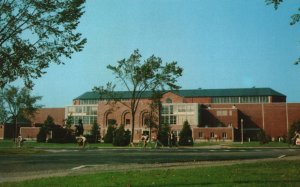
(42, 135)
(262, 137)
(121, 137)
(294, 127)
(185, 136)
(163, 133)
(108, 138)
(95, 134)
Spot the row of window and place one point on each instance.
(89, 102)
(85, 119)
(178, 108)
(247, 99)
(213, 135)
(81, 109)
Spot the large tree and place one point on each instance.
(138, 77)
(19, 103)
(295, 18)
(35, 33)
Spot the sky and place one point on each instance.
(218, 43)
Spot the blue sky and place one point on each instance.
(219, 44)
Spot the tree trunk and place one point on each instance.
(132, 127)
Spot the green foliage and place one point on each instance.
(68, 121)
(109, 136)
(295, 18)
(295, 127)
(121, 137)
(95, 133)
(42, 135)
(185, 136)
(262, 137)
(44, 130)
(19, 103)
(36, 33)
(163, 133)
(140, 76)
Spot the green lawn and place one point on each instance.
(271, 173)
(34, 144)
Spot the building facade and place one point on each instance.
(214, 114)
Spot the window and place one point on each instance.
(201, 135)
(172, 119)
(222, 113)
(165, 110)
(224, 135)
(212, 135)
(127, 121)
(168, 100)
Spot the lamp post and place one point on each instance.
(242, 131)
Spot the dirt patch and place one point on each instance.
(89, 169)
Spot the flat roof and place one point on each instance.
(230, 92)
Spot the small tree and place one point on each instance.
(45, 129)
(108, 138)
(185, 136)
(295, 127)
(19, 103)
(95, 131)
(262, 137)
(121, 137)
(163, 133)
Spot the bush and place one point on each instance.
(121, 137)
(109, 136)
(42, 135)
(163, 133)
(262, 137)
(62, 135)
(295, 127)
(95, 134)
(185, 136)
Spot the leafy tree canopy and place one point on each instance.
(35, 33)
(137, 77)
(295, 18)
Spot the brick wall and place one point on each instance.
(29, 133)
(58, 115)
(1, 132)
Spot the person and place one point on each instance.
(19, 141)
(79, 128)
(145, 139)
(296, 138)
(81, 141)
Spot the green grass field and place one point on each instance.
(271, 173)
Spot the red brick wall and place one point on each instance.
(175, 98)
(29, 132)
(58, 115)
(217, 132)
(198, 100)
(1, 132)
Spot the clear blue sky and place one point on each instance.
(219, 43)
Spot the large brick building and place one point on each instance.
(218, 114)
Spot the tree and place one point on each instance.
(95, 131)
(138, 77)
(163, 133)
(109, 136)
(295, 127)
(262, 137)
(19, 102)
(45, 129)
(121, 137)
(35, 33)
(3, 113)
(185, 135)
(295, 18)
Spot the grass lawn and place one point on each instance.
(34, 144)
(267, 173)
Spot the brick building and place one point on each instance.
(214, 114)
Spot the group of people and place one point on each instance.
(172, 140)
